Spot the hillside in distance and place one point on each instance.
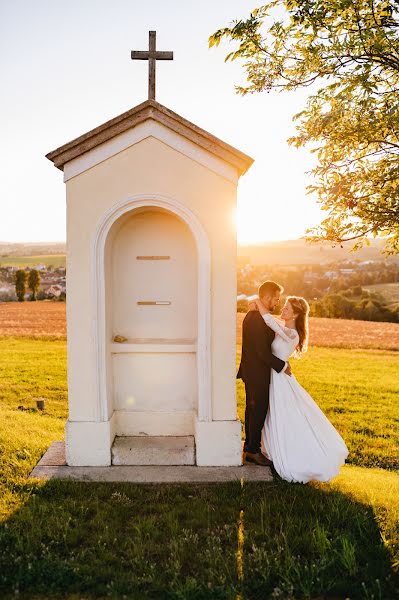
(15, 249)
(290, 252)
(300, 252)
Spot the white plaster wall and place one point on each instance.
(150, 167)
(158, 382)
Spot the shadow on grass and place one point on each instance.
(180, 541)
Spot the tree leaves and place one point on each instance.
(350, 50)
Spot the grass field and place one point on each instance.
(56, 260)
(231, 541)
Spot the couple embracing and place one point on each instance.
(284, 427)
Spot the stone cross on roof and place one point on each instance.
(152, 56)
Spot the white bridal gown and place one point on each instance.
(297, 436)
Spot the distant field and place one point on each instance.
(346, 333)
(45, 318)
(48, 318)
(56, 260)
(389, 291)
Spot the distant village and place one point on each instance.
(350, 289)
(52, 283)
(314, 280)
(366, 290)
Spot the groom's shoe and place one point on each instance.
(258, 459)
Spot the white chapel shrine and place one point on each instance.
(151, 290)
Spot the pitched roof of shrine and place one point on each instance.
(150, 109)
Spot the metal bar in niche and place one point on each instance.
(154, 303)
(153, 257)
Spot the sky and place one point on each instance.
(65, 68)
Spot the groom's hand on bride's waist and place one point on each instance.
(287, 369)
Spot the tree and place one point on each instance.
(348, 52)
(20, 284)
(34, 283)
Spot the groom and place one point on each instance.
(257, 361)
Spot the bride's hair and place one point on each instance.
(301, 309)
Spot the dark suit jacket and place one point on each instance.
(257, 359)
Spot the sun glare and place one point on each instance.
(258, 224)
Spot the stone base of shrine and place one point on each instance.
(218, 443)
(88, 443)
(53, 466)
(214, 444)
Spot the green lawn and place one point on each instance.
(277, 540)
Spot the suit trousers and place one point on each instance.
(257, 404)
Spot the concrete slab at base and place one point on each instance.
(153, 474)
(147, 474)
(153, 450)
(54, 456)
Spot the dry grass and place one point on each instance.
(345, 333)
(33, 319)
(37, 319)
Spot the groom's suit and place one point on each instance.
(257, 361)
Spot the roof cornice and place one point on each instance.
(150, 109)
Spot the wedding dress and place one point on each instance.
(297, 436)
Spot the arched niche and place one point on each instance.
(152, 274)
(152, 280)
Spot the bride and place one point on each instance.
(297, 436)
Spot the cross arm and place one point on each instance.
(139, 55)
(145, 55)
(164, 55)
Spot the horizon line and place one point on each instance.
(257, 243)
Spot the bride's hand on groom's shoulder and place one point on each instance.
(252, 306)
